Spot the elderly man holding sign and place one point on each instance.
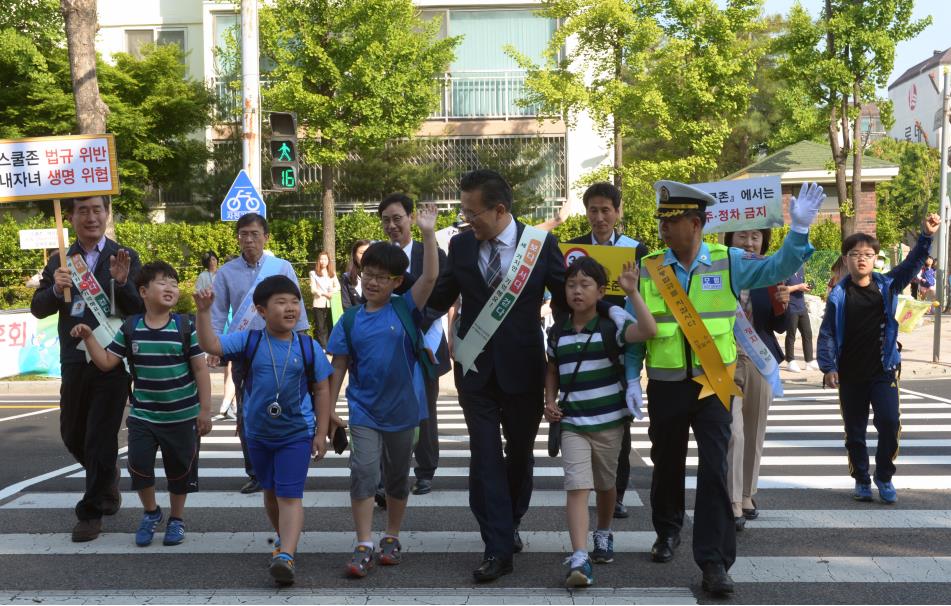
(102, 278)
(691, 288)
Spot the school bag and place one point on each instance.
(608, 331)
(409, 326)
(184, 331)
(255, 337)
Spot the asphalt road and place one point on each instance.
(812, 543)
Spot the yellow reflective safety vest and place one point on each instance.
(668, 353)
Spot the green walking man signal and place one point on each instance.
(283, 147)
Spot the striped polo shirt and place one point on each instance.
(595, 398)
(165, 390)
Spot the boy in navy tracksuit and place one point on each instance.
(859, 355)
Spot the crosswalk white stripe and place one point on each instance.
(413, 541)
(334, 472)
(832, 569)
(824, 461)
(774, 444)
(841, 482)
(444, 453)
(318, 499)
(364, 595)
(28, 414)
(851, 518)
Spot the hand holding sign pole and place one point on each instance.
(60, 235)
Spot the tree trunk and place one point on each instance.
(846, 223)
(618, 142)
(81, 25)
(328, 213)
(856, 151)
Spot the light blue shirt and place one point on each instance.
(232, 283)
(747, 271)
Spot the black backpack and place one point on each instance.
(608, 331)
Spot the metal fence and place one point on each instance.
(484, 94)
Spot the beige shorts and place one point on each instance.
(590, 458)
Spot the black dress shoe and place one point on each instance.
(491, 569)
(251, 486)
(664, 547)
(620, 510)
(422, 486)
(716, 580)
(517, 544)
(740, 523)
(379, 497)
(751, 514)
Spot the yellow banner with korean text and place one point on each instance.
(611, 257)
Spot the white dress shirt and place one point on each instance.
(505, 242)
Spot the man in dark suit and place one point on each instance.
(396, 217)
(506, 384)
(91, 401)
(602, 205)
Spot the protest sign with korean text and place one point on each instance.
(28, 345)
(744, 204)
(45, 168)
(37, 239)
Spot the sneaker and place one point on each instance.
(282, 569)
(886, 492)
(174, 532)
(390, 549)
(793, 367)
(361, 562)
(581, 575)
(143, 536)
(275, 544)
(863, 492)
(603, 548)
(814, 365)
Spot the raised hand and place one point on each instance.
(119, 266)
(426, 217)
(804, 208)
(628, 278)
(930, 224)
(203, 299)
(80, 331)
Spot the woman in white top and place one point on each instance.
(209, 261)
(323, 285)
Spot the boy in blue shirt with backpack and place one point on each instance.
(381, 345)
(285, 374)
(171, 397)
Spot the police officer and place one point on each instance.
(712, 276)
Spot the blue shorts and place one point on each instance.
(281, 468)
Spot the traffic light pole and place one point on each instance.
(942, 273)
(251, 92)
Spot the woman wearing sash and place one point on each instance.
(765, 309)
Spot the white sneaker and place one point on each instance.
(793, 367)
(814, 365)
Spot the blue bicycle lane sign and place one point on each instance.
(241, 199)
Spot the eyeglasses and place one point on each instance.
(864, 256)
(469, 215)
(378, 278)
(394, 220)
(249, 235)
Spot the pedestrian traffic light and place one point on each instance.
(284, 163)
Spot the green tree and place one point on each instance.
(522, 164)
(39, 20)
(372, 173)
(905, 200)
(358, 73)
(842, 58)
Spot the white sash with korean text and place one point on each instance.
(503, 299)
(95, 299)
(247, 312)
(757, 351)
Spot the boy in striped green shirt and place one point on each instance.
(171, 397)
(592, 408)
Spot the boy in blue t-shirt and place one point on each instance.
(279, 421)
(386, 394)
(171, 397)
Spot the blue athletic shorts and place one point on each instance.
(281, 467)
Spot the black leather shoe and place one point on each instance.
(422, 486)
(716, 580)
(379, 497)
(491, 569)
(740, 523)
(664, 547)
(251, 486)
(517, 544)
(620, 510)
(751, 514)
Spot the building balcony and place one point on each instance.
(483, 95)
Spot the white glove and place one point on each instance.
(634, 398)
(804, 208)
(619, 317)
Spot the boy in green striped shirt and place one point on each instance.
(171, 398)
(592, 410)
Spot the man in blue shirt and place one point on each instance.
(675, 404)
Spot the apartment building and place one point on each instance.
(481, 89)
